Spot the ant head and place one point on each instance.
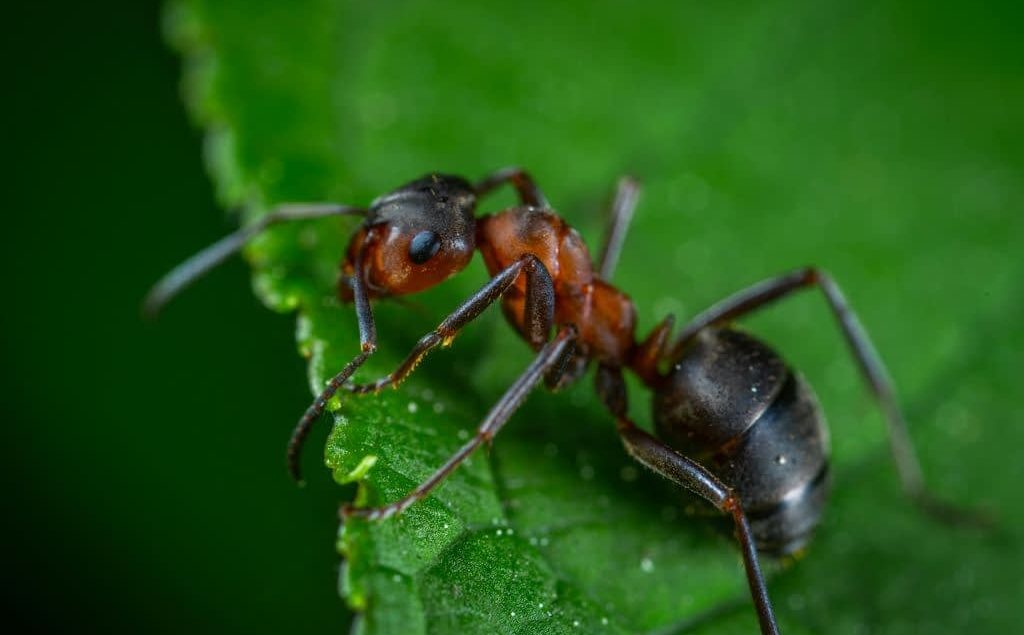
(417, 236)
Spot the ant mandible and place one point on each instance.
(734, 424)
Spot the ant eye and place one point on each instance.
(423, 246)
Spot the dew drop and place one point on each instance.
(413, 407)
(604, 621)
(647, 565)
(781, 459)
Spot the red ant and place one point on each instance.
(734, 424)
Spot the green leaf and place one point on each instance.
(883, 143)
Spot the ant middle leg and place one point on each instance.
(664, 460)
(868, 360)
(551, 356)
(620, 214)
(539, 309)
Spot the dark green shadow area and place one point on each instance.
(144, 472)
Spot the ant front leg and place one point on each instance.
(868, 360)
(525, 186)
(661, 458)
(367, 345)
(551, 356)
(539, 310)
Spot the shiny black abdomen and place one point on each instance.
(731, 403)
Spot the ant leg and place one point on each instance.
(868, 360)
(552, 355)
(539, 309)
(659, 457)
(368, 344)
(526, 188)
(561, 376)
(677, 468)
(645, 358)
(198, 265)
(619, 216)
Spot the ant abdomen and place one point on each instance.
(733, 404)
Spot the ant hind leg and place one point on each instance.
(868, 361)
(662, 459)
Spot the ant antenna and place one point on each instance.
(198, 265)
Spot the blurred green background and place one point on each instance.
(147, 483)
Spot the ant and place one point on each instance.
(733, 423)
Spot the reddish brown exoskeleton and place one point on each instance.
(734, 423)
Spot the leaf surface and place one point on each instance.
(881, 143)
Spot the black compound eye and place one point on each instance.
(423, 246)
